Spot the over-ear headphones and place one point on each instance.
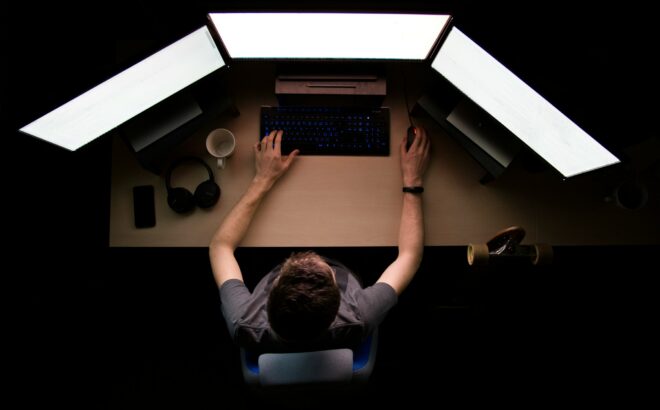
(181, 200)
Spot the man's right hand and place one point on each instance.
(270, 164)
(415, 160)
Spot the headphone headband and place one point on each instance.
(180, 161)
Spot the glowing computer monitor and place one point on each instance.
(525, 113)
(329, 36)
(130, 93)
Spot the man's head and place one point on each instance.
(304, 299)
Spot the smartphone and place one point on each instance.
(144, 208)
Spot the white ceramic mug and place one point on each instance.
(221, 143)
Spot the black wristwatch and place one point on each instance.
(413, 189)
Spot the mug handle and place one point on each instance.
(222, 162)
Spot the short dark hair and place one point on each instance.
(304, 301)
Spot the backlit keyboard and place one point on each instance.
(330, 130)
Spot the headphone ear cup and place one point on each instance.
(180, 200)
(207, 194)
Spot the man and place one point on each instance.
(310, 302)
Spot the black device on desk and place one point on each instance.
(330, 130)
(410, 136)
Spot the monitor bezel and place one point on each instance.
(433, 50)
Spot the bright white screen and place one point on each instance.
(129, 93)
(518, 107)
(328, 35)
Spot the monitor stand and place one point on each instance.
(160, 120)
(486, 140)
(155, 134)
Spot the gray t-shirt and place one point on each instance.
(360, 312)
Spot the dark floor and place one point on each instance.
(116, 328)
(129, 326)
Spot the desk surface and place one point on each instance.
(356, 201)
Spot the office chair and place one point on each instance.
(298, 377)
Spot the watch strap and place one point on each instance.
(413, 189)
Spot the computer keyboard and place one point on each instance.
(330, 130)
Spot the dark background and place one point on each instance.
(100, 327)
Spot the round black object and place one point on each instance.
(207, 194)
(182, 200)
(631, 195)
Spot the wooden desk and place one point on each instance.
(356, 201)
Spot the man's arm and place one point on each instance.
(270, 165)
(414, 163)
